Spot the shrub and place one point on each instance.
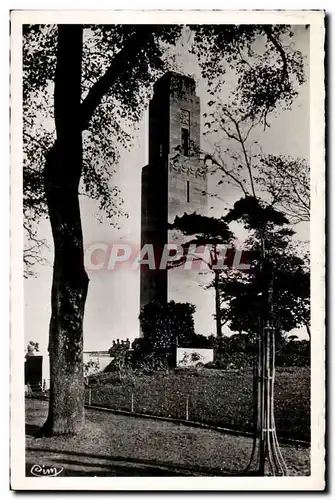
(151, 362)
(91, 367)
(218, 364)
(162, 323)
(233, 361)
(294, 353)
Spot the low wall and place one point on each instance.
(190, 356)
(102, 358)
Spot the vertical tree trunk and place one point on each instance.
(217, 304)
(70, 282)
(308, 328)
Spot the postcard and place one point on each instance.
(167, 250)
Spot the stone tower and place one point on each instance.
(174, 182)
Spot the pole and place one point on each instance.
(217, 304)
(261, 392)
(187, 415)
(269, 450)
(132, 403)
(89, 397)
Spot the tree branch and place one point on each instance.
(124, 58)
(275, 42)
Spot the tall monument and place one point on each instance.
(174, 182)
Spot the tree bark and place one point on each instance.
(62, 174)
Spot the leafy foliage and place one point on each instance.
(150, 362)
(287, 182)
(164, 326)
(245, 297)
(120, 64)
(294, 353)
(91, 367)
(206, 230)
(255, 214)
(122, 362)
(111, 75)
(267, 69)
(240, 350)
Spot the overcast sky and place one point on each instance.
(112, 305)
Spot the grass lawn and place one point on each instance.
(116, 445)
(214, 397)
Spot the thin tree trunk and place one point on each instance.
(308, 328)
(217, 304)
(70, 282)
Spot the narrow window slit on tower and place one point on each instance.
(188, 191)
(185, 141)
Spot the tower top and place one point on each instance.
(173, 82)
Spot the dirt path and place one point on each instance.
(116, 445)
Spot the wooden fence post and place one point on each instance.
(132, 402)
(89, 397)
(187, 415)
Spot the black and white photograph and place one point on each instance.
(167, 234)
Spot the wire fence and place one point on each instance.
(197, 399)
(216, 399)
(226, 401)
(155, 404)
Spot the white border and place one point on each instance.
(167, 16)
(316, 480)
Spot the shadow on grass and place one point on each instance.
(129, 467)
